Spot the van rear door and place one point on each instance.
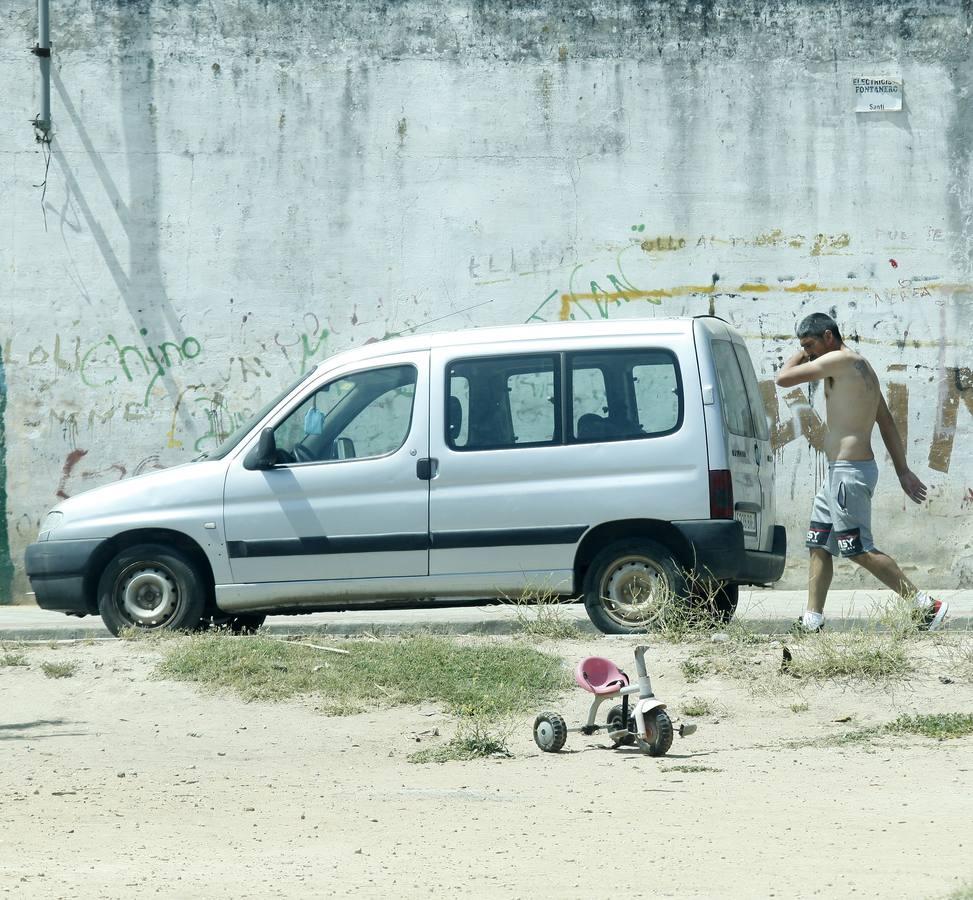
(744, 451)
(763, 451)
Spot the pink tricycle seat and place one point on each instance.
(600, 675)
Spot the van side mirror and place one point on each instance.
(264, 455)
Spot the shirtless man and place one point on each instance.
(841, 517)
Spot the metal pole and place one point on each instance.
(43, 51)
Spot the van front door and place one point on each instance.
(344, 500)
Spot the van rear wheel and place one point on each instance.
(151, 586)
(632, 585)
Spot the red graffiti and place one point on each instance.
(74, 457)
(113, 472)
(895, 265)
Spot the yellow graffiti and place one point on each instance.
(828, 243)
(657, 295)
(663, 244)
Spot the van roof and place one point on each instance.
(533, 331)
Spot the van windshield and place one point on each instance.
(245, 429)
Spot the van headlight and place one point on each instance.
(51, 521)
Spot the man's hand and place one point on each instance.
(913, 487)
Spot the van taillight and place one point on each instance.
(720, 494)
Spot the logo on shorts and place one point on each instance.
(817, 534)
(849, 542)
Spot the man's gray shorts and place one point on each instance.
(841, 519)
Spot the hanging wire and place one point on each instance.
(45, 139)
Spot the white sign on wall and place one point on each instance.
(877, 94)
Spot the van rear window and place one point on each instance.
(733, 390)
(623, 394)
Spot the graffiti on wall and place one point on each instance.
(607, 295)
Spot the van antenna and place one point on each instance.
(455, 312)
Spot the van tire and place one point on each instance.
(151, 587)
(619, 568)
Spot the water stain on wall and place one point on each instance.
(6, 565)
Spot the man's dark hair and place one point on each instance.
(816, 324)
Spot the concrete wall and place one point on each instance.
(236, 190)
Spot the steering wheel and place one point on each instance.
(302, 454)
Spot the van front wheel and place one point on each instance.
(632, 586)
(151, 586)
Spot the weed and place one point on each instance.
(149, 635)
(955, 651)
(857, 654)
(688, 768)
(941, 726)
(962, 893)
(799, 707)
(13, 659)
(696, 707)
(475, 738)
(488, 680)
(540, 614)
(59, 669)
(692, 670)
(687, 616)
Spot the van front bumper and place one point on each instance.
(57, 571)
(717, 547)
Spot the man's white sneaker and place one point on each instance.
(932, 616)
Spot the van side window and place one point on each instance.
(501, 402)
(624, 394)
(733, 391)
(366, 414)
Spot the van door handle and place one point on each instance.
(427, 468)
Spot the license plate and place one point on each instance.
(748, 520)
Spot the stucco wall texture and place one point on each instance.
(237, 190)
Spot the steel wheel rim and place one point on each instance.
(148, 594)
(633, 589)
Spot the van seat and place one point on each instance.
(591, 427)
(455, 416)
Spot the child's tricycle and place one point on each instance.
(647, 725)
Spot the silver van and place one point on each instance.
(627, 462)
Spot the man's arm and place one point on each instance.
(910, 482)
(799, 369)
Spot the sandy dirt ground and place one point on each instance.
(114, 783)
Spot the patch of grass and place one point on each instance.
(149, 635)
(475, 739)
(13, 659)
(962, 893)
(59, 669)
(479, 680)
(541, 615)
(799, 707)
(942, 726)
(695, 707)
(690, 768)
(692, 670)
(857, 654)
